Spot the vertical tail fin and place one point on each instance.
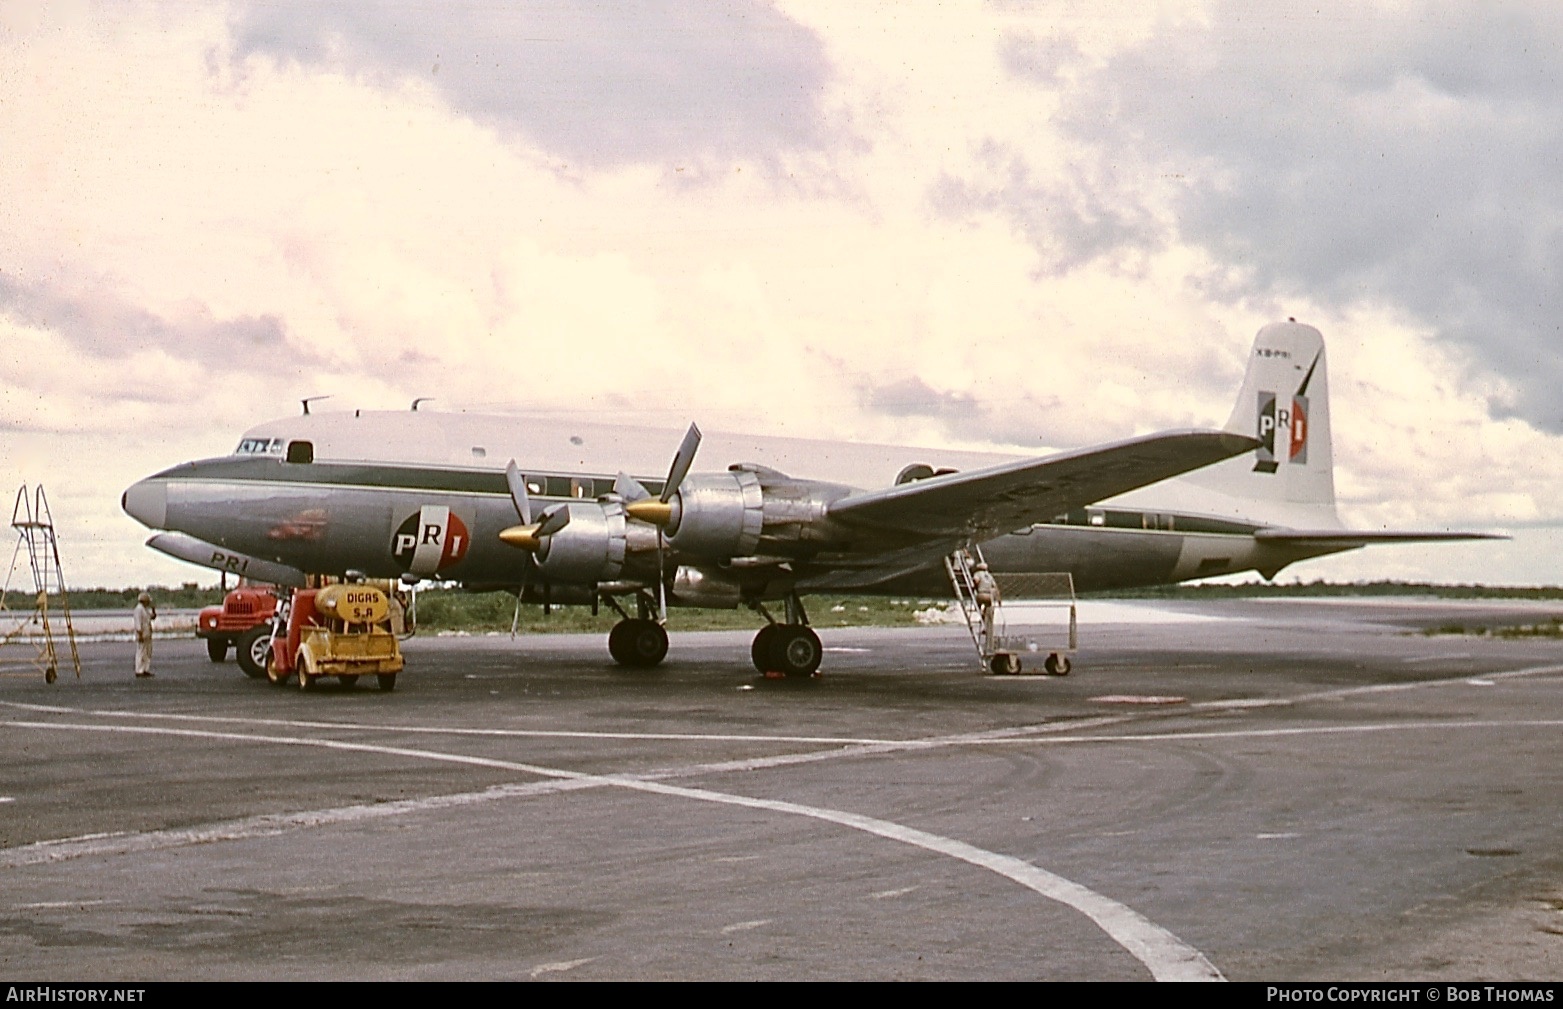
(1284, 402)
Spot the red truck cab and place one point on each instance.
(244, 620)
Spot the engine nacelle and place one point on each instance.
(717, 515)
(590, 548)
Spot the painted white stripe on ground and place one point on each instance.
(1166, 956)
(562, 965)
(1378, 688)
(291, 723)
(745, 926)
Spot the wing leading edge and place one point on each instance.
(999, 499)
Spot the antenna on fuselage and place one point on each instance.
(310, 399)
(420, 399)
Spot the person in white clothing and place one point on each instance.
(145, 613)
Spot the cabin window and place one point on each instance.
(479, 452)
(1096, 518)
(259, 446)
(301, 451)
(535, 485)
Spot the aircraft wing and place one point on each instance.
(1346, 538)
(999, 499)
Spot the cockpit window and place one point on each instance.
(259, 446)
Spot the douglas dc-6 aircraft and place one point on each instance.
(429, 495)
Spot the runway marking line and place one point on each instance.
(562, 965)
(1166, 956)
(745, 926)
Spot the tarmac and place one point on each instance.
(1246, 790)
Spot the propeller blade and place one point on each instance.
(682, 460)
(518, 493)
(629, 488)
(553, 520)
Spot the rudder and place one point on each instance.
(1284, 402)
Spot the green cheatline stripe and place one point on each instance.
(356, 474)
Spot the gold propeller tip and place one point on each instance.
(658, 513)
(522, 537)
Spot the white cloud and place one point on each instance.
(943, 229)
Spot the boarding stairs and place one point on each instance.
(999, 650)
(31, 630)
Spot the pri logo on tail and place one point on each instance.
(1283, 427)
(1289, 425)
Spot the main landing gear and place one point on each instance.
(638, 642)
(791, 649)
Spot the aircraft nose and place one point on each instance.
(147, 503)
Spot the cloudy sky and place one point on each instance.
(1026, 226)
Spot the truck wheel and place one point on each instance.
(217, 649)
(387, 682)
(254, 650)
(347, 681)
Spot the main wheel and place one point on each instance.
(764, 644)
(645, 643)
(254, 650)
(618, 642)
(796, 651)
(217, 649)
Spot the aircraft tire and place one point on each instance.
(797, 651)
(616, 642)
(760, 652)
(217, 649)
(646, 644)
(253, 650)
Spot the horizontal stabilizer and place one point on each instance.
(1360, 538)
(998, 499)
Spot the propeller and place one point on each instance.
(638, 503)
(529, 535)
(659, 511)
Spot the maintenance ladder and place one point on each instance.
(999, 651)
(34, 527)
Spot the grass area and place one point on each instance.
(188, 596)
(456, 610)
(447, 610)
(1260, 590)
(1551, 628)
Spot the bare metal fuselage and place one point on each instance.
(332, 517)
